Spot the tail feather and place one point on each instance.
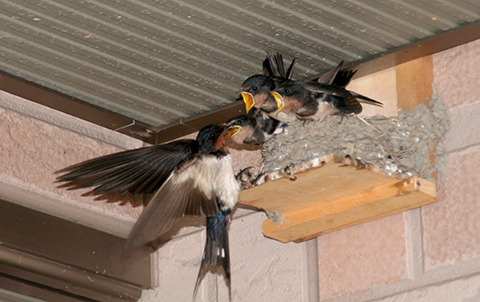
(216, 254)
(367, 100)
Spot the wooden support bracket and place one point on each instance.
(414, 82)
(334, 196)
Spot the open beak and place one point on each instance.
(226, 134)
(231, 131)
(248, 100)
(278, 99)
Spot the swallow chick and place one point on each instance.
(256, 128)
(330, 100)
(255, 92)
(184, 177)
(294, 99)
(256, 89)
(314, 100)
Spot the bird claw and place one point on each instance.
(246, 177)
(266, 177)
(343, 115)
(293, 169)
(306, 122)
(281, 129)
(290, 170)
(276, 217)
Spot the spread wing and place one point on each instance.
(189, 190)
(138, 171)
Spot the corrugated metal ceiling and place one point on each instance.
(161, 61)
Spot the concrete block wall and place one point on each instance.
(35, 141)
(427, 254)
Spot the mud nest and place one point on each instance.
(401, 146)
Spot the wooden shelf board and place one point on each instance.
(332, 197)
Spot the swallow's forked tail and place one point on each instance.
(216, 254)
(367, 100)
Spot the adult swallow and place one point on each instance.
(256, 89)
(185, 177)
(256, 128)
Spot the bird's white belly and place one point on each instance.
(217, 173)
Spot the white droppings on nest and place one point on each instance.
(401, 146)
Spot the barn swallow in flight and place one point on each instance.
(314, 100)
(184, 177)
(257, 127)
(256, 89)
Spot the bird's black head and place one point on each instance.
(246, 125)
(208, 136)
(258, 83)
(255, 90)
(211, 139)
(238, 120)
(244, 121)
(292, 89)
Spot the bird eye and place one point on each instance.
(238, 122)
(287, 91)
(254, 88)
(212, 135)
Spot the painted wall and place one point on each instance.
(427, 254)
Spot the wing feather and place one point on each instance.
(329, 76)
(187, 191)
(139, 171)
(343, 78)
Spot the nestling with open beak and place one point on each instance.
(257, 128)
(256, 89)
